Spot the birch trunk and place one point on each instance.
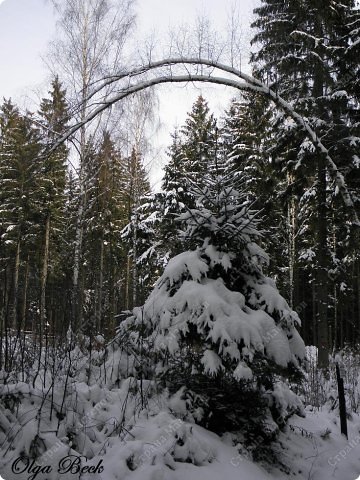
(135, 271)
(76, 302)
(292, 246)
(99, 309)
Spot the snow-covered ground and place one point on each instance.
(310, 448)
(315, 449)
(104, 419)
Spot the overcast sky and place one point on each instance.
(26, 27)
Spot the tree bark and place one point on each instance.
(135, 271)
(322, 264)
(16, 285)
(76, 317)
(44, 275)
(26, 285)
(99, 313)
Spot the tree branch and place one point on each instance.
(248, 83)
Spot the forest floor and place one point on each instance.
(311, 448)
(153, 443)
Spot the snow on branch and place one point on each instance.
(134, 81)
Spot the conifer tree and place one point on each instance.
(301, 47)
(198, 140)
(192, 147)
(135, 189)
(189, 156)
(51, 199)
(220, 334)
(105, 217)
(174, 197)
(19, 173)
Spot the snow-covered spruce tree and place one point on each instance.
(219, 335)
(190, 155)
(306, 53)
(50, 210)
(157, 231)
(19, 193)
(246, 139)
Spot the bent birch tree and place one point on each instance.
(133, 81)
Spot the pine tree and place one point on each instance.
(51, 198)
(19, 149)
(174, 197)
(135, 188)
(198, 140)
(105, 217)
(245, 141)
(220, 334)
(300, 52)
(189, 156)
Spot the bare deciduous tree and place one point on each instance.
(92, 35)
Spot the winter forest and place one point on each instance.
(207, 326)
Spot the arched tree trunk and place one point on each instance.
(248, 83)
(134, 81)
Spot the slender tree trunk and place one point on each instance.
(292, 227)
(342, 328)
(348, 324)
(322, 224)
(41, 328)
(2, 316)
(44, 275)
(135, 270)
(26, 286)
(353, 315)
(335, 333)
(6, 320)
(16, 284)
(112, 301)
(322, 274)
(100, 287)
(358, 300)
(76, 294)
(314, 315)
(127, 283)
(334, 341)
